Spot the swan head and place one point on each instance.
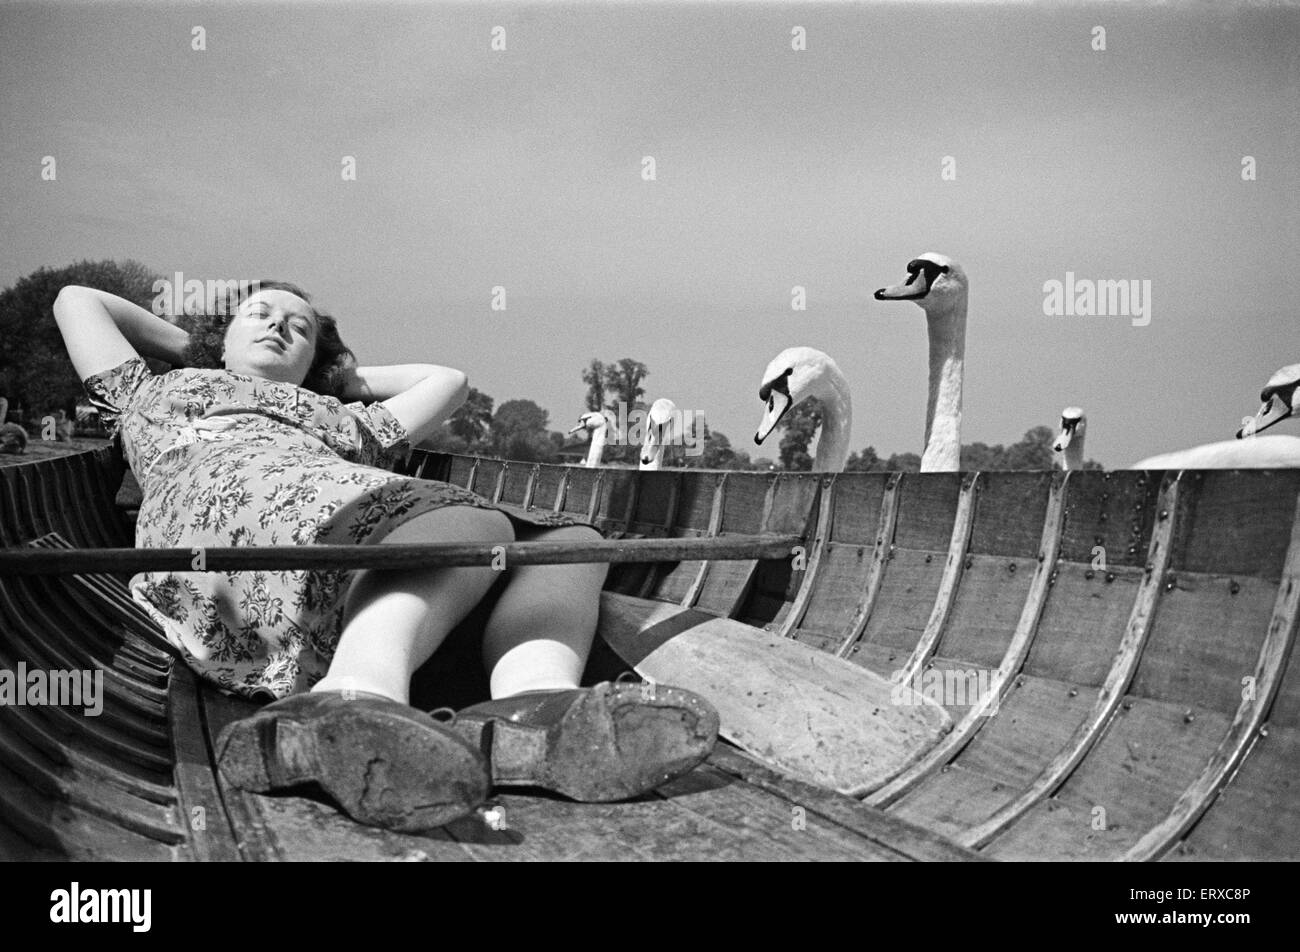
(793, 375)
(1073, 424)
(658, 430)
(591, 421)
(1279, 398)
(934, 281)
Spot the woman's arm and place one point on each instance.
(102, 330)
(420, 396)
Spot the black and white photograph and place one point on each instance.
(651, 431)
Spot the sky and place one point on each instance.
(820, 168)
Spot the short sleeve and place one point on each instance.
(110, 391)
(384, 441)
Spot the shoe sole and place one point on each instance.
(616, 742)
(382, 768)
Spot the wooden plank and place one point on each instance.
(111, 802)
(1000, 680)
(531, 486)
(1246, 723)
(1148, 755)
(905, 838)
(597, 496)
(214, 838)
(652, 575)
(802, 710)
(750, 568)
(715, 523)
(879, 558)
(765, 822)
(1112, 691)
(811, 577)
(562, 490)
(952, 569)
(254, 838)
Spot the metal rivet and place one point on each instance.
(1233, 587)
(1164, 514)
(929, 558)
(1170, 582)
(969, 562)
(1127, 705)
(1110, 576)
(1188, 717)
(1011, 567)
(1102, 517)
(1074, 692)
(1263, 730)
(1089, 574)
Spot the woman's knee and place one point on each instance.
(455, 524)
(585, 534)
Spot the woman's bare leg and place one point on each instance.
(394, 620)
(540, 631)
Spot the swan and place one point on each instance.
(660, 432)
(938, 284)
(13, 438)
(1069, 443)
(796, 374)
(596, 422)
(1247, 451)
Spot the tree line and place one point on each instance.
(38, 378)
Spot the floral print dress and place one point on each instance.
(225, 459)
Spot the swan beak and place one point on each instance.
(1063, 441)
(1273, 411)
(915, 287)
(780, 404)
(577, 429)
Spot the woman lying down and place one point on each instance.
(261, 449)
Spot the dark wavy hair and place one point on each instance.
(333, 357)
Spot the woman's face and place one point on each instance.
(272, 336)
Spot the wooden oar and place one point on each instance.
(32, 561)
(800, 710)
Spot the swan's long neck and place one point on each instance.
(597, 449)
(837, 422)
(947, 331)
(1074, 452)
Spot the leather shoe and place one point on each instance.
(385, 764)
(600, 744)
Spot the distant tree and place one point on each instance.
(519, 432)
(1034, 451)
(903, 463)
(34, 367)
(473, 420)
(798, 427)
(867, 461)
(623, 382)
(981, 456)
(594, 378)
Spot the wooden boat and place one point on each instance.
(1133, 632)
